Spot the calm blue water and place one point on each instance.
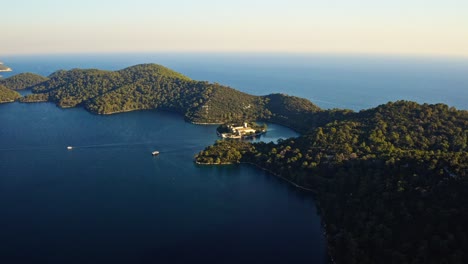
(108, 200)
(353, 82)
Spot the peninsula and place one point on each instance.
(241, 131)
(390, 182)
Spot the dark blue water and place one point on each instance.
(109, 201)
(354, 82)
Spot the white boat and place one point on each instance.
(69, 147)
(155, 153)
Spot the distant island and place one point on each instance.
(390, 182)
(4, 68)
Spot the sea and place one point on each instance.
(108, 200)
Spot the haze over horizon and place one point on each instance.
(434, 28)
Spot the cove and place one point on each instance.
(109, 200)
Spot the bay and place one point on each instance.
(109, 201)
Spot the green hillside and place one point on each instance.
(390, 181)
(152, 86)
(22, 81)
(7, 95)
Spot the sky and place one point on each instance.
(415, 27)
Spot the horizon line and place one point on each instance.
(251, 52)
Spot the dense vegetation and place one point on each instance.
(390, 181)
(7, 95)
(152, 86)
(34, 98)
(22, 81)
(224, 152)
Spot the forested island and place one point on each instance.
(152, 86)
(390, 182)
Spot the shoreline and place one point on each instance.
(210, 164)
(205, 124)
(300, 187)
(316, 203)
(241, 137)
(303, 188)
(262, 168)
(111, 113)
(281, 177)
(188, 120)
(37, 101)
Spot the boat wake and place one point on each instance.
(110, 145)
(166, 148)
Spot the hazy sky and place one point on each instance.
(433, 27)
